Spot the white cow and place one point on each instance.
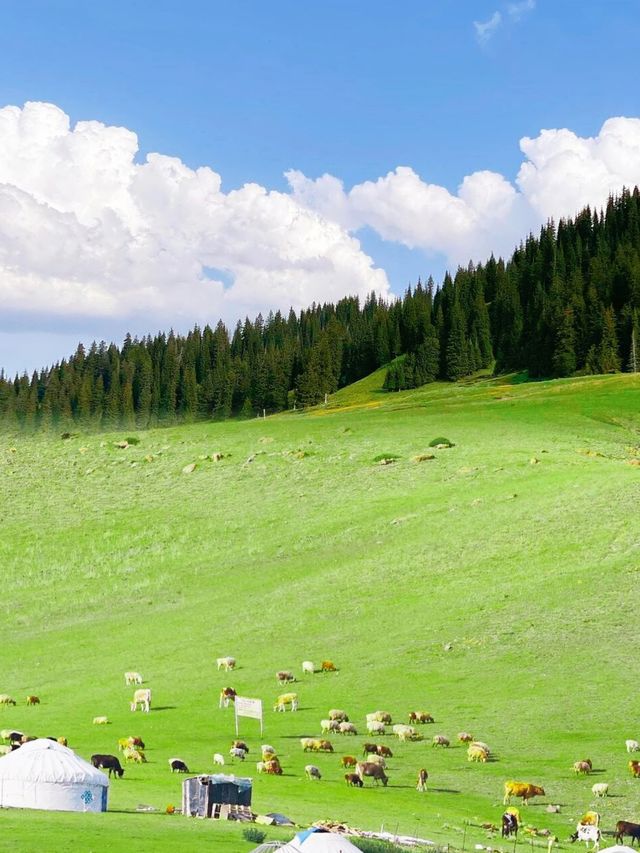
(132, 678)
(307, 667)
(142, 698)
(632, 745)
(226, 663)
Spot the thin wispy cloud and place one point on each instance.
(517, 11)
(486, 29)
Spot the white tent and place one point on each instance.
(316, 841)
(617, 848)
(43, 774)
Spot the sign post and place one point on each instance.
(248, 708)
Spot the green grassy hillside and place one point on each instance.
(494, 586)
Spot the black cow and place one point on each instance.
(108, 762)
(178, 766)
(509, 825)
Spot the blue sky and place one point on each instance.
(355, 90)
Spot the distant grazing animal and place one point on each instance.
(100, 721)
(476, 753)
(600, 789)
(311, 744)
(227, 694)
(272, 767)
(509, 825)
(218, 759)
(62, 741)
(347, 729)
(15, 737)
(236, 752)
(132, 678)
(404, 732)
(420, 717)
(5, 749)
(385, 751)
(465, 737)
(422, 780)
(4, 734)
(348, 761)
(108, 762)
(375, 728)
(379, 717)
(353, 780)
(632, 745)
(284, 676)
(226, 663)
(6, 700)
(374, 771)
(241, 745)
(481, 745)
(328, 726)
(268, 752)
(340, 716)
(584, 767)
(136, 755)
(33, 700)
(376, 759)
(634, 766)
(308, 668)
(312, 772)
(142, 697)
(177, 765)
(523, 790)
(625, 827)
(137, 742)
(369, 747)
(27, 738)
(440, 740)
(286, 700)
(328, 666)
(123, 743)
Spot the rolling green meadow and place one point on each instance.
(494, 586)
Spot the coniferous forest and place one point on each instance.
(567, 301)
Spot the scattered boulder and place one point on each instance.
(424, 457)
(122, 445)
(534, 461)
(441, 443)
(190, 468)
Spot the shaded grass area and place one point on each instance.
(491, 586)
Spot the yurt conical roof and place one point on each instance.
(45, 760)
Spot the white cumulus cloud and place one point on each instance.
(561, 173)
(87, 232)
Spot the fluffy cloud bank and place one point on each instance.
(561, 173)
(88, 233)
(85, 231)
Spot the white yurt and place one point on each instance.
(43, 774)
(319, 841)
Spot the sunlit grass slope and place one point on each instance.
(494, 586)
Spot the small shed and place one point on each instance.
(204, 796)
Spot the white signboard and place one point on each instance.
(248, 708)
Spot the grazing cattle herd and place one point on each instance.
(375, 756)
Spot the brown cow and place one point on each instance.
(634, 766)
(348, 761)
(227, 694)
(328, 666)
(583, 767)
(521, 789)
(375, 771)
(353, 779)
(625, 827)
(369, 748)
(422, 780)
(384, 751)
